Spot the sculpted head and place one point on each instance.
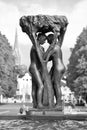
(50, 38)
(41, 38)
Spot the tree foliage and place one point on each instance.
(77, 67)
(20, 70)
(8, 80)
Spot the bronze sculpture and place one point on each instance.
(35, 70)
(58, 68)
(45, 84)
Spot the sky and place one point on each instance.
(12, 10)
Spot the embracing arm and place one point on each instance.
(49, 51)
(53, 40)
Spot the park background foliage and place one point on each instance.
(8, 77)
(77, 67)
(9, 71)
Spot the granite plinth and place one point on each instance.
(43, 114)
(37, 114)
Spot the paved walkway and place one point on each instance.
(11, 110)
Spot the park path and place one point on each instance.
(10, 108)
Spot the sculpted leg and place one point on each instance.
(34, 94)
(39, 84)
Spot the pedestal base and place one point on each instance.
(37, 114)
(44, 114)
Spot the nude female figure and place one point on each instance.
(35, 70)
(54, 53)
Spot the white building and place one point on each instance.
(67, 94)
(24, 87)
(24, 84)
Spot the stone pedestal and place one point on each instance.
(44, 114)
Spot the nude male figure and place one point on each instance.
(36, 70)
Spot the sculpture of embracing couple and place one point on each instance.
(46, 85)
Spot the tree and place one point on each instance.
(20, 70)
(8, 80)
(77, 67)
